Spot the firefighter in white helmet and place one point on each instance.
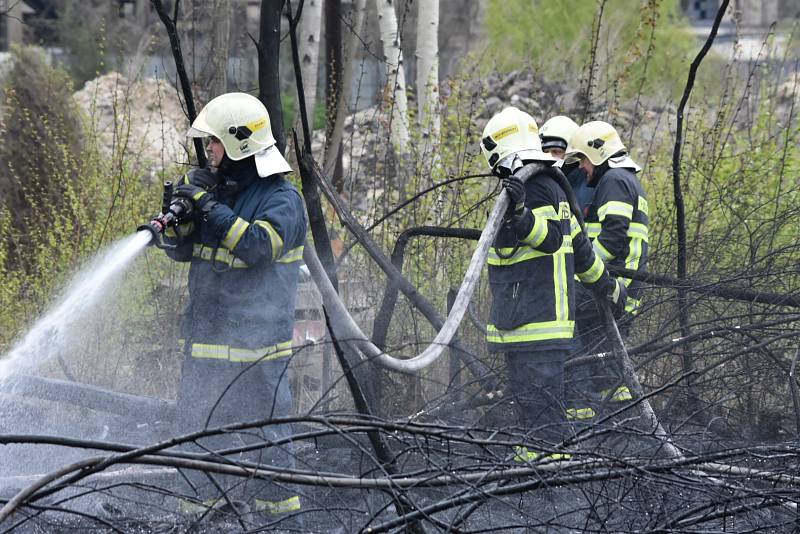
(537, 252)
(244, 251)
(555, 134)
(617, 222)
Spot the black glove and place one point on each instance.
(616, 293)
(204, 178)
(516, 194)
(201, 200)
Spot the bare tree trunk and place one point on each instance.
(221, 17)
(333, 59)
(680, 210)
(269, 42)
(333, 140)
(186, 87)
(396, 78)
(309, 42)
(428, 67)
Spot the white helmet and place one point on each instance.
(512, 132)
(557, 131)
(241, 123)
(597, 140)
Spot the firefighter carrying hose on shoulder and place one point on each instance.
(244, 240)
(538, 250)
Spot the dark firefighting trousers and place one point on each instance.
(598, 386)
(214, 393)
(536, 386)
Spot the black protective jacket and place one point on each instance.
(245, 263)
(617, 223)
(532, 276)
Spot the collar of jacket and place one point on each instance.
(236, 175)
(598, 173)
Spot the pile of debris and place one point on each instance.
(139, 123)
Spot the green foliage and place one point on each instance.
(82, 34)
(646, 49)
(71, 195)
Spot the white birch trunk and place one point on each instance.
(428, 67)
(396, 79)
(309, 30)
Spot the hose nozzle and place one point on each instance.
(172, 212)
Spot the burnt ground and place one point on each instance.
(630, 490)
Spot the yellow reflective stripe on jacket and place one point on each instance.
(274, 237)
(593, 229)
(538, 233)
(235, 233)
(560, 285)
(531, 332)
(615, 207)
(616, 292)
(296, 254)
(292, 504)
(602, 251)
(218, 254)
(642, 206)
(545, 212)
(233, 354)
(574, 227)
(639, 231)
(524, 253)
(593, 273)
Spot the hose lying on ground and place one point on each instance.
(346, 329)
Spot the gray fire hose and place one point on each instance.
(346, 329)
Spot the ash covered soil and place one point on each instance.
(642, 496)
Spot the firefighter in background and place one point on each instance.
(244, 239)
(617, 223)
(536, 254)
(555, 135)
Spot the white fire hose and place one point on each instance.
(347, 331)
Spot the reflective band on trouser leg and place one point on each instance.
(621, 394)
(580, 413)
(632, 305)
(274, 238)
(292, 504)
(531, 332)
(235, 233)
(190, 507)
(522, 454)
(615, 207)
(226, 352)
